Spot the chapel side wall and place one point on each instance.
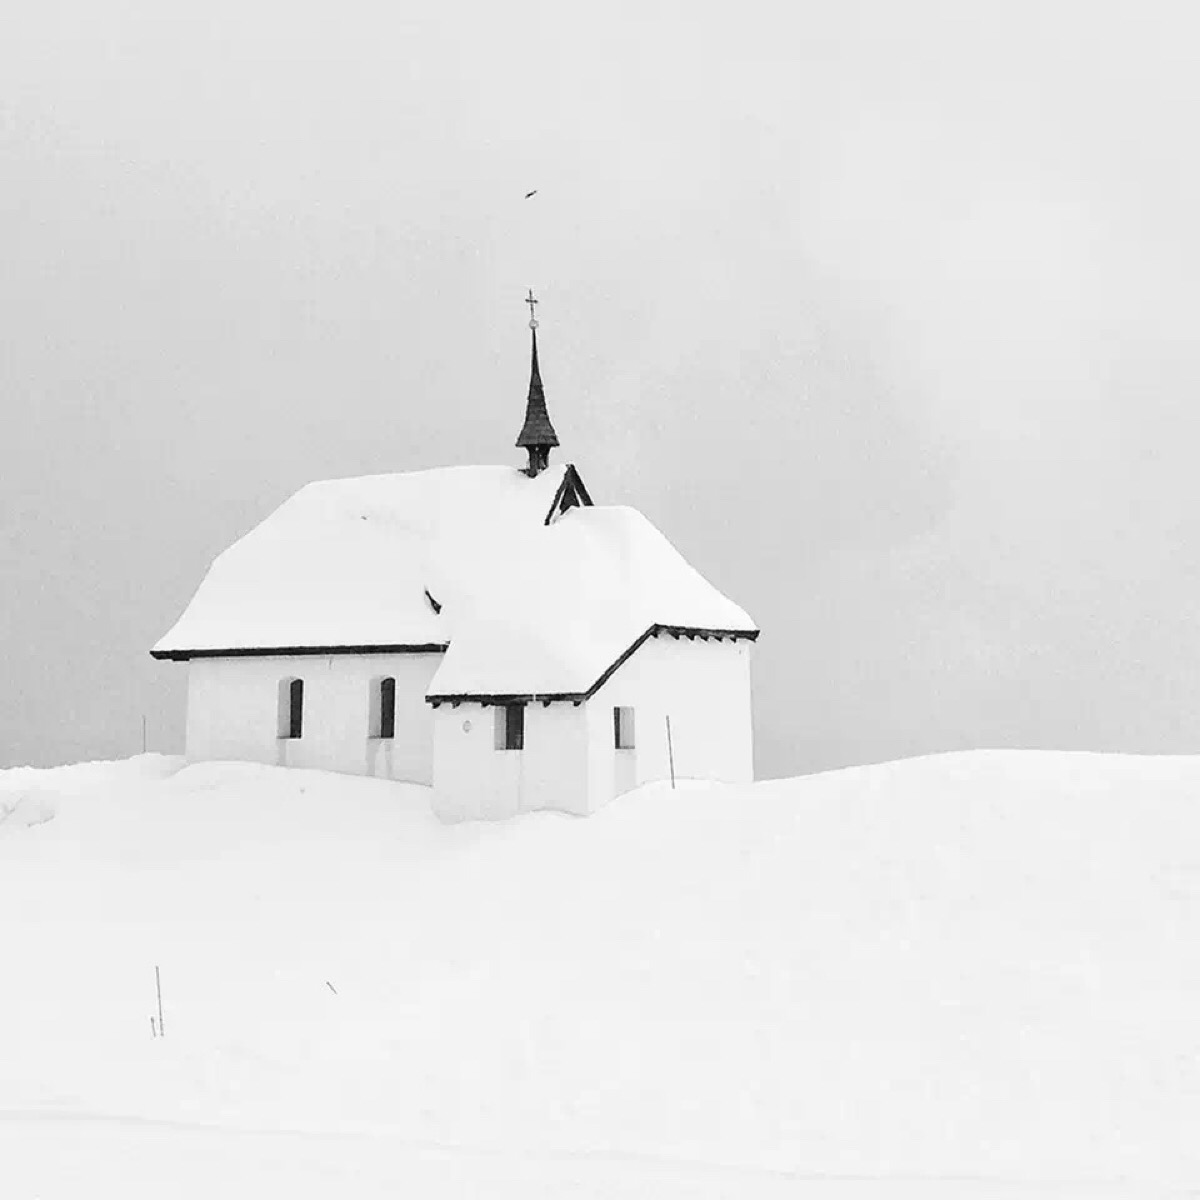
(226, 716)
(474, 781)
(233, 713)
(554, 773)
(705, 688)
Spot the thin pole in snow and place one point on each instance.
(143, 733)
(670, 752)
(158, 989)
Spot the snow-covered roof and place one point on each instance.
(459, 557)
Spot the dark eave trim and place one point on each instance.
(676, 631)
(298, 651)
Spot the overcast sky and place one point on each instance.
(885, 313)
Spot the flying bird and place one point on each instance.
(533, 193)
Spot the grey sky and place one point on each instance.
(883, 312)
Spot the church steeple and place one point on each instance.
(537, 435)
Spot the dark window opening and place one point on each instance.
(510, 727)
(291, 708)
(387, 708)
(623, 728)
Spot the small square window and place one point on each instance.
(510, 727)
(623, 728)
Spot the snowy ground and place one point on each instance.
(969, 976)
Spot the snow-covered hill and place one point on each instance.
(969, 975)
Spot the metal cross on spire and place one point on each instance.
(531, 300)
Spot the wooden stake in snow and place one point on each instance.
(158, 989)
(670, 752)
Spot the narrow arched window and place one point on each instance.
(291, 708)
(385, 725)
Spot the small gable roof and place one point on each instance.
(526, 597)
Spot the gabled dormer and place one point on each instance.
(571, 493)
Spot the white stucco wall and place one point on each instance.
(569, 762)
(475, 781)
(233, 706)
(703, 686)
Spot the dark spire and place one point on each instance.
(537, 434)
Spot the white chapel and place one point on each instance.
(489, 632)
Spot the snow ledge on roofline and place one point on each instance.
(675, 631)
(456, 698)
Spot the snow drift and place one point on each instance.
(968, 975)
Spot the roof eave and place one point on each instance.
(691, 632)
(300, 651)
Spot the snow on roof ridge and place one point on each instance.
(454, 469)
